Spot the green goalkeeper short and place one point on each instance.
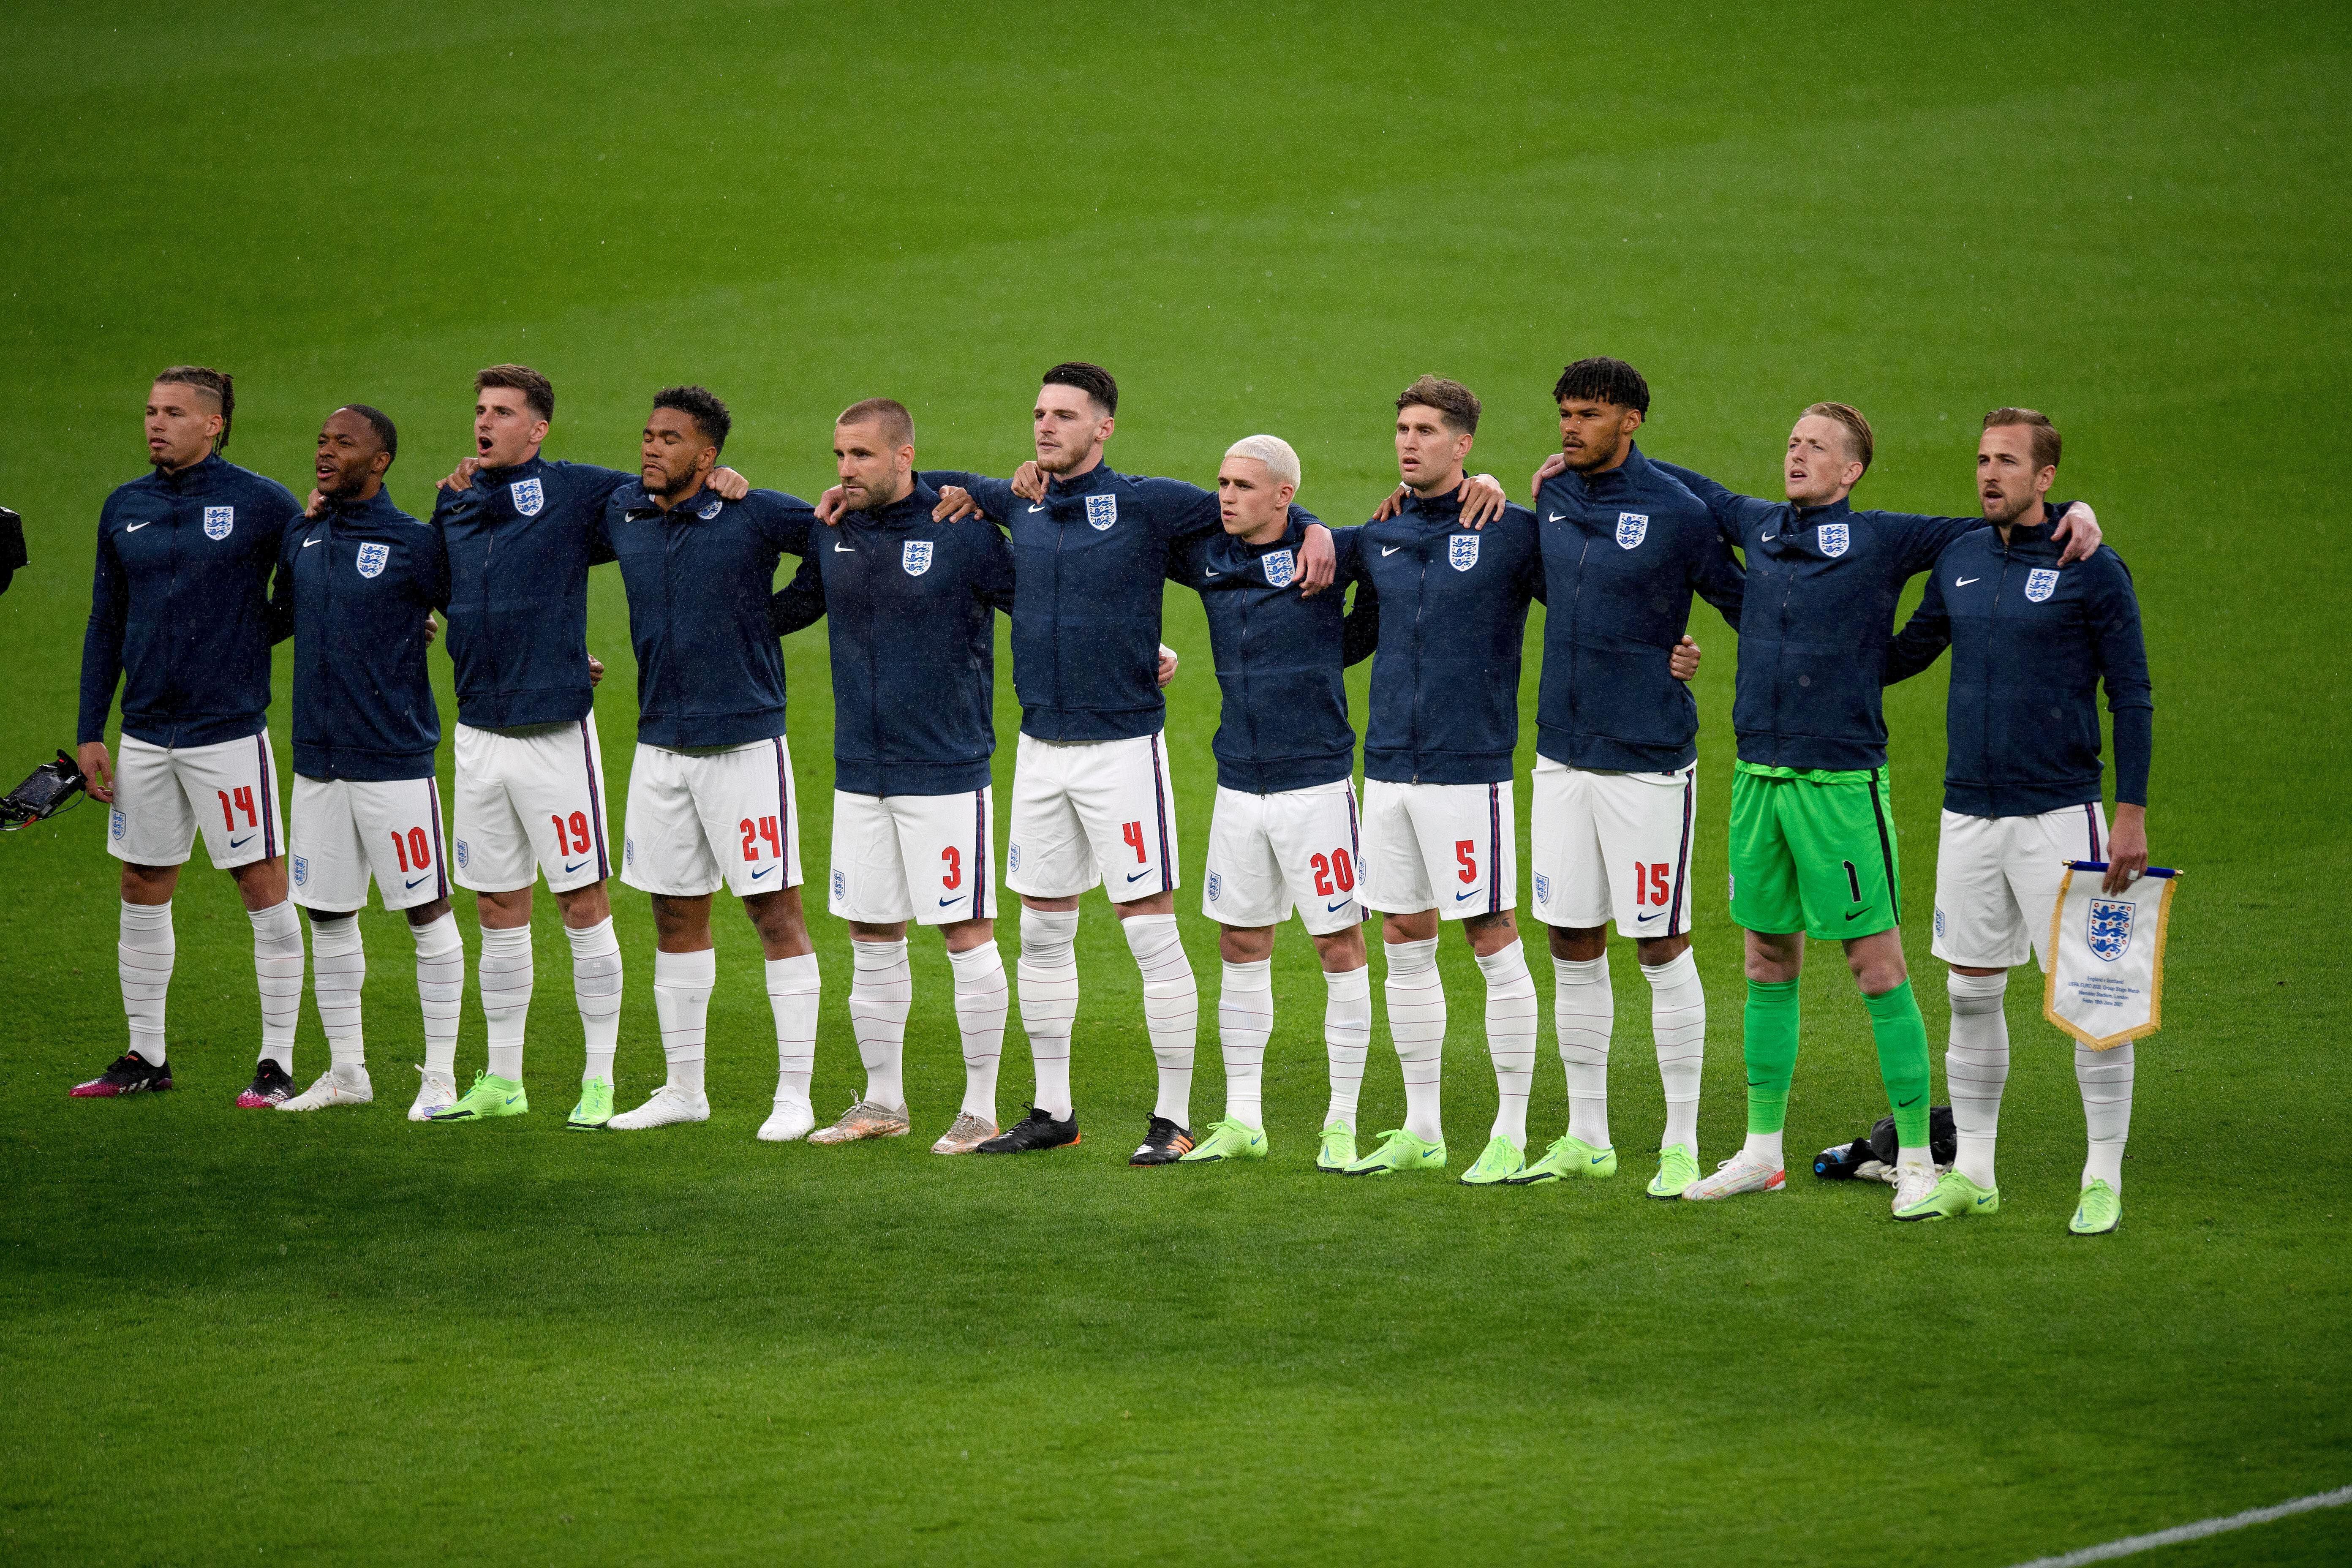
(1815, 852)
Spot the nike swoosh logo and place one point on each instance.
(1471, 894)
(1964, 581)
(1853, 914)
(235, 842)
(1216, 573)
(512, 1098)
(1909, 1103)
(1766, 538)
(414, 881)
(573, 867)
(1039, 507)
(1557, 517)
(1981, 1202)
(761, 872)
(1390, 549)
(135, 527)
(308, 543)
(1598, 1159)
(841, 549)
(1135, 876)
(957, 900)
(1638, 919)
(1335, 909)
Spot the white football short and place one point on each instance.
(921, 857)
(347, 831)
(1448, 847)
(1611, 847)
(1088, 812)
(1997, 882)
(1270, 852)
(162, 795)
(529, 801)
(699, 818)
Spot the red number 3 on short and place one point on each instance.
(953, 857)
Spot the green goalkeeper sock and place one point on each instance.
(1769, 1040)
(1902, 1037)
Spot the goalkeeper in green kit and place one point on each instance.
(1812, 831)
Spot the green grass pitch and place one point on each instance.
(228, 1337)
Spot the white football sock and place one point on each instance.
(1510, 1038)
(338, 973)
(440, 988)
(1048, 972)
(981, 1000)
(794, 988)
(1347, 1037)
(596, 989)
(277, 973)
(881, 994)
(1416, 999)
(1975, 1066)
(2106, 1079)
(1244, 1019)
(144, 954)
(1764, 1146)
(1172, 1009)
(682, 985)
(1584, 1011)
(504, 977)
(1678, 1026)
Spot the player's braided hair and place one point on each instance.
(1609, 381)
(700, 404)
(1090, 379)
(219, 383)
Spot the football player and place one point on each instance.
(710, 791)
(910, 603)
(360, 579)
(180, 617)
(2031, 642)
(521, 531)
(1814, 847)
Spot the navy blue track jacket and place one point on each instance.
(1452, 615)
(1823, 585)
(1281, 659)
(357, 582)
(699, 578)
(1623, 553)
(1089, 562)
(910, 605)
(2031, 642)
(179, 605)
(520, 543)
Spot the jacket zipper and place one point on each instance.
(1419, 602)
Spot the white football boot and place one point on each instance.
(336, 1085)
(1740, 1173)
(436, 1092)
(667, 1108)
(791, 1118)
(1912, 1184)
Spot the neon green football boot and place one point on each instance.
(2100, 1212)
(1339, 1151)
(595, 1107)
(1500, 1161)
(1228, 1140)
(1953, 1197)
(1399, 1151)
(1677, 1169)
(490, 1096)
(1568, 1157)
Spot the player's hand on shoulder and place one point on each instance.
(728, 484)
(461, 478)
(2127, 848)
(1029, 482)
(956, 505)
(1391, 504)
(596, 670)
(2079, 532)
(1551, 467)
(1684, 660)
(98, 770)
(829, 507)
(1482, 501)
(432, 628)
(314, 503)
(1167, 664)
(1318, 562)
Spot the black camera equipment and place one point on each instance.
(42, 796)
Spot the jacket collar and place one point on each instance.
(494, 477)
(1293, 535)
(914, 507)
(1443, 511)
(194, 480)
(704, 501)
(1802, 516)
(2033, 538)
(1101, 477)
(1619, 482)
(378, 509)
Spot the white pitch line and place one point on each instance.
(2203, 1528)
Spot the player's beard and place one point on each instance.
(2008, 514)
